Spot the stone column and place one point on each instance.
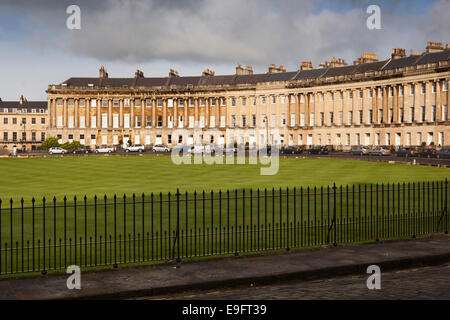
(186, 121)
(175, 113)
(164, 102)
(143, 117)
(99, 115)
(154, 124)
(385, 104)
(110, 113)
(65, 121)
(76, 103)
(217, 124)
(132, 119)
(395, 108)
(87, 113)
(307, 109)
(121, 117)
(196, 114)
(207, 106)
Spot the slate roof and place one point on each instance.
(282, 76)
(29, 105)
(310, 74)
(389, 64)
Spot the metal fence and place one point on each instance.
(51, 235)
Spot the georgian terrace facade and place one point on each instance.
(23, 124)
(401, 101)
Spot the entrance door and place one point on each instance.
(158, 139)
(398, 139)
(309, 140)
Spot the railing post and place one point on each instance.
(446, 208)
(177, 238)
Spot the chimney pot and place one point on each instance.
(173, 73)
(102, 72)
(306, 65)
(434, 47)
(398, 53)
(208, 72)
(239, 69)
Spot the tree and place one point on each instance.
(70, 146)
(51, 142)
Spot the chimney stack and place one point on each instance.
(138, 74)
(102, 73)
(434, 47)
(306, 65)
(22, 99)
(239, 69)
(274, 69)
(173, 73)
(367, 57)
(333, 63)
(248, 70)
(415, 53)
(398, 53)
(208, 72)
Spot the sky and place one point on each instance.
(37, 49)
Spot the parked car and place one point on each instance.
(57, 150)
(266, 150)
(443, 154)
(406, 152)
(292, 150)
(380, 151)
(81, 150)
(105, 149)
(160, 148)
(135, 148)
(428, 153)
(318, 150)
(360, 150)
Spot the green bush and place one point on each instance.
(71, 146)
(50, 142)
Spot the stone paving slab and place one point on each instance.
(213, 273)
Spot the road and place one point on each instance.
(427, 283)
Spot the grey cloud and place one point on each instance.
(255, 32)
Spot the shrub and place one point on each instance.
(50, 142)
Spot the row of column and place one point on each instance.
(308, 106)
(297, 108)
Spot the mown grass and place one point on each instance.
(145, 228)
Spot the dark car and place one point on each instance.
(265, 150)
(318, 150)
(428, 153)
(443, 154)
(292, 150)
(406, 152)
(81, 150)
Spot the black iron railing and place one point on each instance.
(51, 235)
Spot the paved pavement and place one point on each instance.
(216, 273)
(426, 283)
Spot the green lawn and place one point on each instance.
(81, 176)
(136, 231)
